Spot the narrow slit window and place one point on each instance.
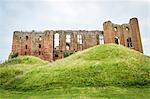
(26, 47)
(39, 45)
(25, 53)
(39, 52)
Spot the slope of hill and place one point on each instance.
(96, 67)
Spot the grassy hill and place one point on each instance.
(100, 69)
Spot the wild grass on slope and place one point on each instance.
(108, 92)
(24, 60)
(16, 67)
(104, 65)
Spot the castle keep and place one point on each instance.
(52, 45)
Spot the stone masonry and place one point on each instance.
(51, 45)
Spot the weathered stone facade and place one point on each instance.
(125, 34)
(52, 45)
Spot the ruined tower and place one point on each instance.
(125, 34)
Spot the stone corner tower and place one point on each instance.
(125, 34)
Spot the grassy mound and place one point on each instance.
(13, 68)
(104, 65)
(23, 60)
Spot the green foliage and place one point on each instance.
(104, 65)
(66, 54)
(13, 55)
(108, 92)
(24, 60)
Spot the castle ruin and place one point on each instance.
(51, 45)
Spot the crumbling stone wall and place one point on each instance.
(33, 43)
(126, 34)
(52, 45)
(78, 40)
(42, 44)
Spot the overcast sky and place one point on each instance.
(40, 15)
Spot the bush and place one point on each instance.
(13, 55)
(66, 54)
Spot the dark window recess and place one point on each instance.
(116, 40)
(25, 53)
(56, 55)
(115, 28)
(26, 47)
(129, 42)
(39, 53)
(40, 38)
(26, 37)
(39, 45)
(67, 46)
(127, 29)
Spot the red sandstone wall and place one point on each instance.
(123, 32)
(47, 50)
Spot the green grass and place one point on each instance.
(108, 92)
(106, 71)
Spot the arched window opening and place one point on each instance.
(27, 37)
(115, 28)
(127, 29)
(117, 40)
(67, 46)
(56, 41)
(40, 38)
(25, 53)
(79, 38)
(101, 39)
(26, 47)
(129, 42)
(39, 45)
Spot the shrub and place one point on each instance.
(13, 55)
(66, 54)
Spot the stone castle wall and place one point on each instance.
(52, 45)
(127, 34)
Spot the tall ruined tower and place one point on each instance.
(125, 34)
